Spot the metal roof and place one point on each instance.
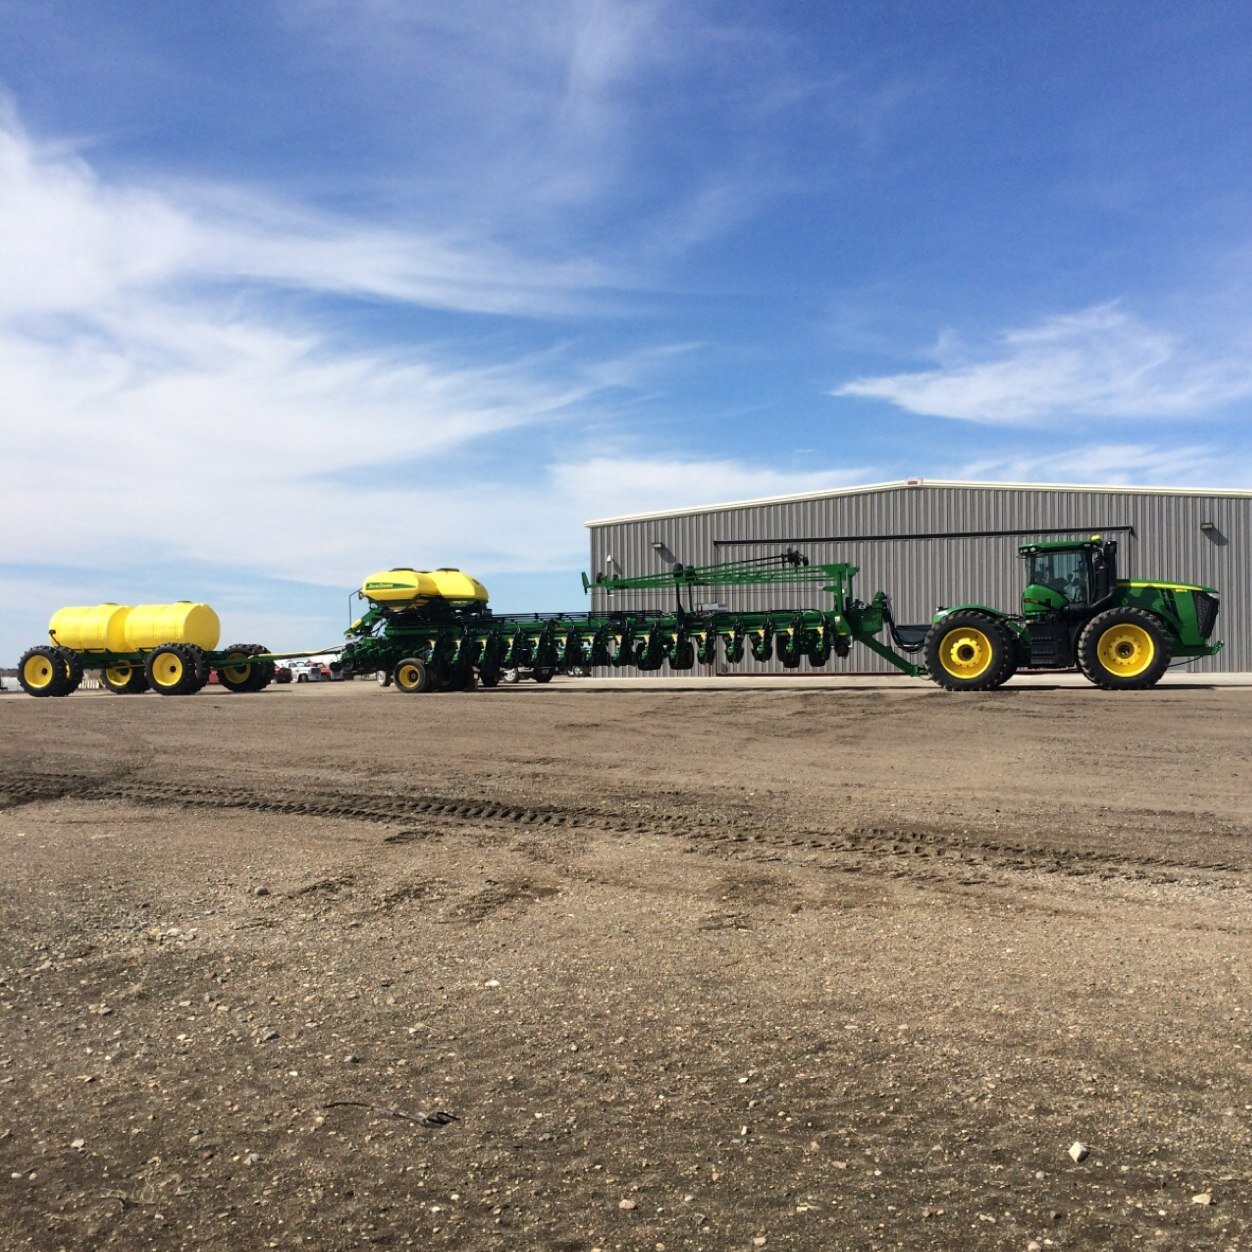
(913, 484)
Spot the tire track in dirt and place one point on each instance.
(925, 853)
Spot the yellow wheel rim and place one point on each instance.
(39, 672)
(1126, 651)
(236, 673)
(407, 676)
(117, 677)
(167, 670)
(965, 652)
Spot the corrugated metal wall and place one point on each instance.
(1168, 542)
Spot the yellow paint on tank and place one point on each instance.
(91, 628)
(150, 625)
(414, 586)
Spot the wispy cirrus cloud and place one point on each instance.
(71, 241)
(171, 415)
(1117, 463)
(1101, 363)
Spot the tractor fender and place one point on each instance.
(986, 609)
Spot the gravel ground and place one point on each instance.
(764, 966)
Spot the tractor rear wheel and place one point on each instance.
(412, 676)
(171, 670)
(41, 672)
(969, 651)
(1123, 649)
(124, 680)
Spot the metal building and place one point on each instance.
(929, 543)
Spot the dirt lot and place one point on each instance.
(784, 968)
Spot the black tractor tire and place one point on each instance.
(41, 672)
(171, 670)
(970, 651)
(73, 671)
(1124, 649)
(489, 677)
(543, 675)
(124, 680)
(412, 676)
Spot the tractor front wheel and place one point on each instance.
(969, 651)
(1123, 649)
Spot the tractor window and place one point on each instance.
(1066, 572)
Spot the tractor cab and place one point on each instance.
(1068, 575)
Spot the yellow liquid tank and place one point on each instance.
(122, 628)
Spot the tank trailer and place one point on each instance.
(432, 630)
(166, 648)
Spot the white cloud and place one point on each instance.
(1099, 363)
(70, 243)
(1129, 464)
(154, 420)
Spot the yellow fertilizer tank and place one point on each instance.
(123, 628)
(417, 586)
(91, 628)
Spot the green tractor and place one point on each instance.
(1121, 634)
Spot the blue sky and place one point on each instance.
(291, 292)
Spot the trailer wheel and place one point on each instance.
(199, 665)
(1123, 649)
(412, 676)
(124, 680)
(241, 673)
(235, 674)
(969, 651)
(383, 677)
(171, 670)
(41, 672)
(262, 671)
(73, 670)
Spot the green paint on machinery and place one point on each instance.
(432, 642)
(1075, 612)
(1123, 634)
(432, 630)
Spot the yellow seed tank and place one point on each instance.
(418, 586)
